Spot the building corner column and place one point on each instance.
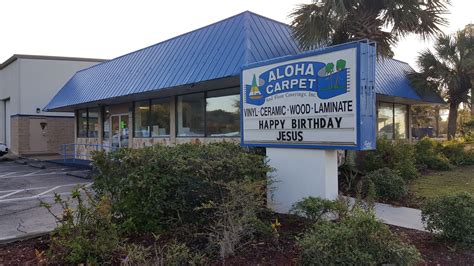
(173, 120)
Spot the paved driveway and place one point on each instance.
(21, 189)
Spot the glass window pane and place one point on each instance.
(141, 122)
(106, 124)
(160, 117)
(93, 123)
(82, 123)
(401, 124)
(223, 115)
(385, 120)
(190, 115)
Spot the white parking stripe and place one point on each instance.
(33, 198)
(40, 174)
(26, 189)
(32, 173)
(29, 171)
(11, 193)
(8, 174)
(45, 193)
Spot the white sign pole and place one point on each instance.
(301, 173)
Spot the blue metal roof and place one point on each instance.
(391, 80)
(212, 52)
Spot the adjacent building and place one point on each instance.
(186, 89)
(27, 84)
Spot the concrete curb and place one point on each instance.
(84, 174)
(37, 165)
(11, 239)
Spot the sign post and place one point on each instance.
(305, 107)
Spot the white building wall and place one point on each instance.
(41, 79)
(30, 83)
(9, 85)
(9, 89)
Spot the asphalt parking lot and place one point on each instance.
(23, 187)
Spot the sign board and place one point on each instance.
(320, 99)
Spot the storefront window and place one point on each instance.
(401, 117)
(160, 117)
(392, 120)
(141, 119)
(190, 115)
(82, 123)
(93, 123)
(223, 113)
(106, 123)
(88, 123)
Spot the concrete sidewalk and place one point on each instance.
(399, 216)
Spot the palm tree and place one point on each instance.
(327, 22)
(450, 69)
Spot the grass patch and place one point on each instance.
(439, 183)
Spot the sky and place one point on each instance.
(110, 28)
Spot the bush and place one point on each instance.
(235, 216)
(173, 253)
(429, 153)
(159, 187)
(393, 155)
(85, 231)
(456, 153)
(315, 208)
(452, 217)
(359, 239)
(388, 184)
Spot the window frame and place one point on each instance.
(150, 135)
(104, 119)
(87, 122)
(204, 93)
(407, 126)
(205, 135)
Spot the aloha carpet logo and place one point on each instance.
(317, 77)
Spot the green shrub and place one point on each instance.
(173, 253)
(359, 239)
(85, 231)
(158, 187)
(235, 218)
(388, 184)
(315, 208)
(452, 217)
(394, 155)
(456, 153)
(429, 153)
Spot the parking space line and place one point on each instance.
(8, 174)
(25, 189)
(39, 174)
(33, 197)
(29, 171)
(47, 191)
(32, 173)
(11, 193)
(44, 194)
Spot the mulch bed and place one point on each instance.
(434, 251)
(281, 250)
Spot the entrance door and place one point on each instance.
(38, 139)
(119, 129)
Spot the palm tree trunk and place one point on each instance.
(452, 118)
(437, 116)
(472, 103)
